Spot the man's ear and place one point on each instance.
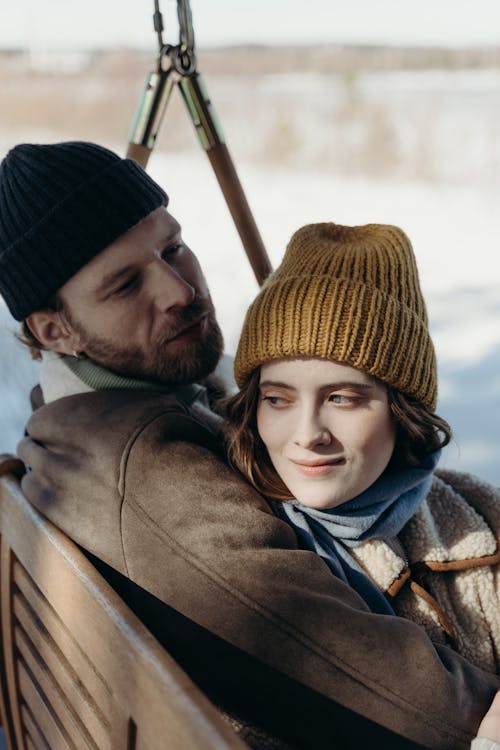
(52, 331)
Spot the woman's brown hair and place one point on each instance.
(419, 433)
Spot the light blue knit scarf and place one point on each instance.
(381, 511)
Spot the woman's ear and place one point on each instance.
(52, 331)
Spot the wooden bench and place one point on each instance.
(79, 670)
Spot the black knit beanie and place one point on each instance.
(60, 205)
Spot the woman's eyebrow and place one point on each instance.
(348, 384)
(276, 384)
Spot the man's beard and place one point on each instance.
(193, 363)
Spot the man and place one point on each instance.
(126, 457)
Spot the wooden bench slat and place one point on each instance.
(53, 695)
(33, 736)
(47, 722)
(62, 653)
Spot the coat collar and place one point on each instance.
(446, 533)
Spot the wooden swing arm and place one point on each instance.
(195, 96)
(149, 116)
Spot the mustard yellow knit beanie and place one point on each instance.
(349, 294)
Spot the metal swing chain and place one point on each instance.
(158, 25)
(177, 64)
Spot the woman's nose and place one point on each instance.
(170, 289)
(311, 432)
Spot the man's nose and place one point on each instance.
(169, 288)
(311, 431)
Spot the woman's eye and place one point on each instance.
(275, 400)
(342, 400)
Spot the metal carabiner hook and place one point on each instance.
(186, 30)
(182, 56)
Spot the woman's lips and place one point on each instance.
(317, 468)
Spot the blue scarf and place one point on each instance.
(381, 511)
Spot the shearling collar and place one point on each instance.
(446, 533)
(443, 569)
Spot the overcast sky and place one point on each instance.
(76, 23)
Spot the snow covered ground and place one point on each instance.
(452, 217)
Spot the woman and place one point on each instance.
(336, 423)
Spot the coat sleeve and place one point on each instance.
(198, 538)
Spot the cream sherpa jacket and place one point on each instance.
(443, 571)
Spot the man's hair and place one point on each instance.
(419, 433)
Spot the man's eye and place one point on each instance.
(127, 286)
(172, 249)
